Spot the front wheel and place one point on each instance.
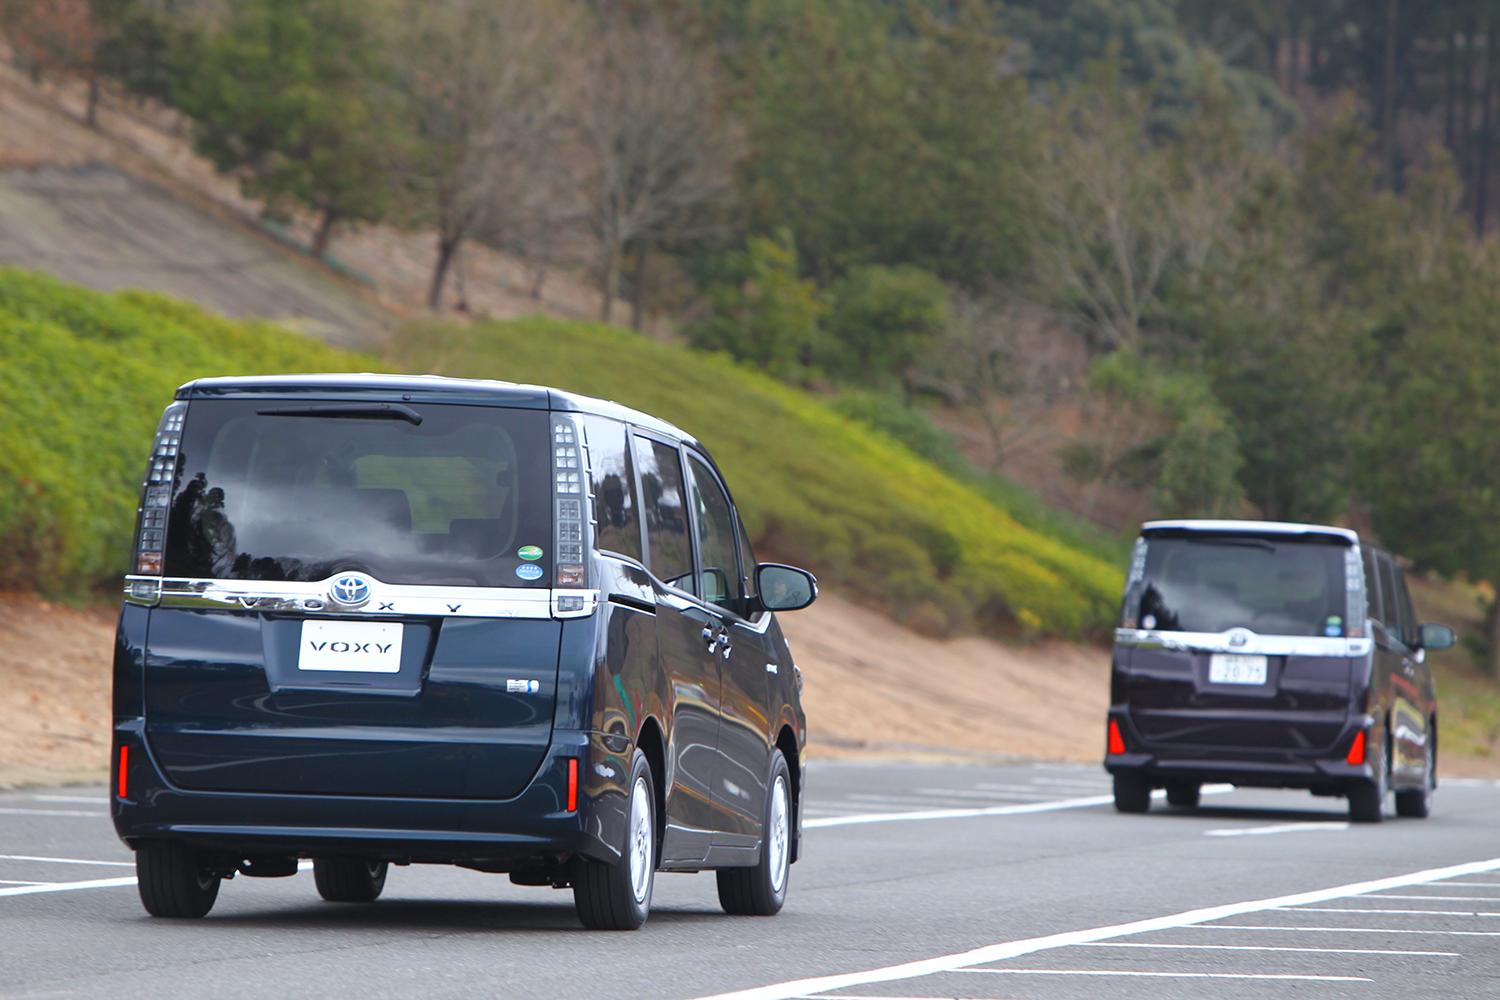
(1132, 793)
(349, 880)
(173, 882)
(760, 890)
(616, 896)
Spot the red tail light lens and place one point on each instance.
(1356, 754)
(572, 784)
(122, 780)
(1116, 741)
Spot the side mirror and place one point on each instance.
(784, 588)
(1436, 637)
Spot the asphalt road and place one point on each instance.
(918, 881)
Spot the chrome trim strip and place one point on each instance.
(385, 598)
(1248, 642)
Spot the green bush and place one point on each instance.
(84, 377)
(863, 512)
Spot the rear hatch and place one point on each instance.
(355, 600)
(1234, 639)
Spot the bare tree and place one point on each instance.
(483, 84)
(656, 153)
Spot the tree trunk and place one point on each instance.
(610, 282)
(1492, 633)
(1486, 121)
(91, 110)
(324, 233)
(447, 245)
(638, 288)
(1388, 95)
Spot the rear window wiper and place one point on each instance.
(354, 411)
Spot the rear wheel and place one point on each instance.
(349, 880)
(760, 891)
(617, 896)
(1184, 794)
(1132, 793)
(173, 881)
(1367, 798)
(1417, 802)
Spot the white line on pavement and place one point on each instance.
(97, 883)
(1169, 975)
(92, 800)
(66, 861)
(97, 814)
(1467, 885)
(1294, 929)
(1261, 831)
(1019, 809)
(11, 881)
(1271, 947)
(1438, 899)
(1371, 909)
(1006, 950)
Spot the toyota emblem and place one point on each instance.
(349, 590)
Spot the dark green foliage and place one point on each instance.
(880, 321)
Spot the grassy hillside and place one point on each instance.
(860, 510)
(83, 379)
(84, 376)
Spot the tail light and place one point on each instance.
(156, 500)
(1357, 609)
(1356, 754)
(568, 481)
(122, 778)
(1116, 740)
(572, 784)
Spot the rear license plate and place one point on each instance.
(359, 647)
(1236, 668)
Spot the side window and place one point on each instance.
(1409, 627)
(617, 528)
(663, 504)
(1390, 599)
(1372, 583)
(718, 541)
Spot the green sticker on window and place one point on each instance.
(530, 552)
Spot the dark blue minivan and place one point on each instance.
(378, 620)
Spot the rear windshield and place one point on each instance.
(1214, 583)
(451, 500)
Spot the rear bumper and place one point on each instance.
(534, 827)
(1319, 770)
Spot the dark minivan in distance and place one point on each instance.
(378, 620)
(1270, 654)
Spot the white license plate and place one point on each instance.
(360, 647)
(1236, 668)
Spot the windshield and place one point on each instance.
(1214, 583)
(271, 492)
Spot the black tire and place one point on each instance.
(1367, 798)
(1416, 803)
(616, 896)
(349, 880)
(760, 890)
(1132, 793)
(1184, 794)
(173, 882)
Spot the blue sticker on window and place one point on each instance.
(529, 571)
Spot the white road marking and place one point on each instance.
(1019, 809)
(11, 881)
(1468, 885)
(1271, 947)
(1168, 975)
(65, 861)
(1033, 789)
(97, 883)
(1262, 831)
(991, 794)
(1006, 950)
(1439, 899)
(97, 814)
(92, 800)
(1338, 930)
(1361, 909)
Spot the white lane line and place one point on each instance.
(1038, 789)
(1006, 950)
(1294, 929)
(1272, 947)
(991, 794)
(1467, 885)
(12, 881)
(97, 883)
(91, 800)
(98, 814)
(1438, 899)
(1371, 909)
(1019, 809)
(65, 861)
(1262, 831)
(1169, 975)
